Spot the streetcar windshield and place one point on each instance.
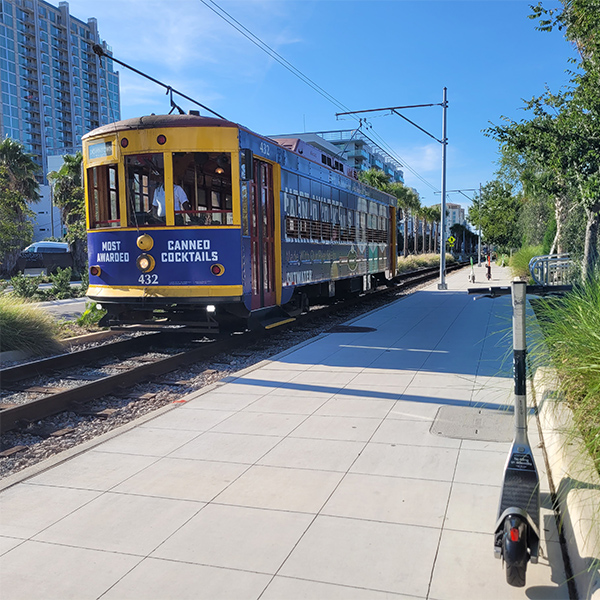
(205, 178)
(145, 184)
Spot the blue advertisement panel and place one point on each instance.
(181, 256)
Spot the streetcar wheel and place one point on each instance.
(305, 304)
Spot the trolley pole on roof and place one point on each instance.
(444, 141)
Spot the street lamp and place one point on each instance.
(444, 141)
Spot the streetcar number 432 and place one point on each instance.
(146, 279)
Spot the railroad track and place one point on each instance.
(22, 415)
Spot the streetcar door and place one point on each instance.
(262, 235)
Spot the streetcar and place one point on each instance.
(198, 221)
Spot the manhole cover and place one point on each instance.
(350, 329)
(466, 423)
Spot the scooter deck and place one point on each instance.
(521, 491)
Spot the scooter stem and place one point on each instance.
(519, 352)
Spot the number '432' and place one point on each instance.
(146, 279)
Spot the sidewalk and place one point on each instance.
(325, 473)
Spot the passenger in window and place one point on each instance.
(180, 201)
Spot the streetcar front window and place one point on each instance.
(205, 178)
(145, 184)
(103, 194)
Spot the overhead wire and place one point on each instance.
(225, 16)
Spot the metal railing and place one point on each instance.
(552, 269)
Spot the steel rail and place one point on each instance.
(43, 366)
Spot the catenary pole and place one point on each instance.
(442, 284)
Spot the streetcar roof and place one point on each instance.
(160, 121)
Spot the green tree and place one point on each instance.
(18, 188)
(69, 196)
(498, 214)
(375, 178)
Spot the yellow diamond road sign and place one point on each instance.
(451, 240)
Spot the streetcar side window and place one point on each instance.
(145, 177)
(103, 194)
(205, 178)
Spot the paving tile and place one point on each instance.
(337, 428)
(299, 405)
(397, 460)
(324, 377)
(455, 576)
(221, 399)
(237, 538)
(398, 379)
(121, 523)
(188, 418)
(183, 479)
(8, 543)
(480, 467)
(227, 447)
(37, 570)
(25, 510)
(276, 424)
(286, 364)
(390, 499)
(352, 552)
(408, 410)
(302, 453)
(149, 441)
(289, 588)
(245, 386)
(300, 490)
(353, 406)
(396, 431)
(432, 379)
(460, 396)
(155, 579)
(472, 508)
(94, 470)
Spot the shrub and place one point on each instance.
(418, 261)
(26, 328)
(25, 287)
(61, 284)
(91, 315)
(519, 262)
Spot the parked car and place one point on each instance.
(44, 258)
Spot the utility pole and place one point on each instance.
(442, 284)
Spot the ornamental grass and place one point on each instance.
(26, 328)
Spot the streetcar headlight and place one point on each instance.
(211, 308)
(145, 263)
(145, 242)
(95, 270)
(217, 269)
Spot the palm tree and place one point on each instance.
(375, 178)
(69, 196)
(408, 200)
(18, 187)
(436, 216)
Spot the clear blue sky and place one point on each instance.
(365, 53)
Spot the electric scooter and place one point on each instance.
(517, 531)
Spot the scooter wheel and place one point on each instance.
(514, 550)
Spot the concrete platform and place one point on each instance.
(320, 474)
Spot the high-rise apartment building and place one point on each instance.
(355, 148)
(54, 88)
